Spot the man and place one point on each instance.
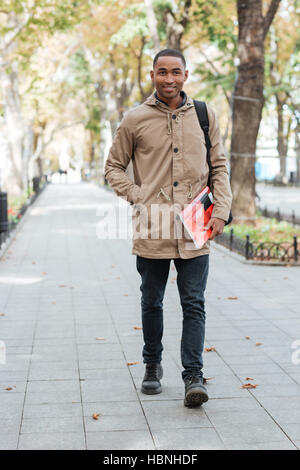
(167, 146)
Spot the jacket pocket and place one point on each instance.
(141, 195)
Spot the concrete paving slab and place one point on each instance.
(52, 441)
(52, 410)
(72, 424)
(120, 440)
(188, 439)
(164, 415)
(9, 441)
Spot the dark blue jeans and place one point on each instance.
(191, 281)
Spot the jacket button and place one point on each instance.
(175, 183)
(175, 149)
(173, 116)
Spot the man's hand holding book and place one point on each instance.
(217, 226)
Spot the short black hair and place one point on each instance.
(168, 53)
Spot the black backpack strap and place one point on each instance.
(202, 115)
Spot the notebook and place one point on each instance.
(196, 215)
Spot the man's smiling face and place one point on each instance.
(168, 77)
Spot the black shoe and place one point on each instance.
(195, 392)
(151, 382)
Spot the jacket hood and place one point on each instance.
(153, 101)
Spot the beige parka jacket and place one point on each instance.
(170, 170)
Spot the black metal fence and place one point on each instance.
(261, 251)
(292, 218)
(12, 222)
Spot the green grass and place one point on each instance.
(15, 203)
(264, 230)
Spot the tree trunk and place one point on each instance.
(297, 150)
(139, 56)
(152, 24)
(15, 129)
(122, 86)
(176, 25)
(27, 154)
(281, 140)
(247, 103)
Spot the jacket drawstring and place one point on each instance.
(178, 117)
(169, 124)
(161, 191)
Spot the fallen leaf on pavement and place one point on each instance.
(247, 337)
(248, 378)
(125, 295)
(96, 416)
(174, 278)
(233, 297)
(137, 328)
(33, 262)
(101, 339)
(132, 363)
(249, 386)
(44, 273)
(2, 314)
(62, 285)
(258, 344)
(205, 379)
(210, 349)
(8, 388)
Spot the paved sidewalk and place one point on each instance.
(61, 288)
(286, 199)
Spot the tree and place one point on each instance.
(213, 34)
(248, 101)
(152, 23)
(23, 25)
(282, 50)
(177, 23)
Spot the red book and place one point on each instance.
(196, 216)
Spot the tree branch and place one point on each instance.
(18, 30)
(185, 15)
(41, 146)
(270, 15)
(217, 73)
